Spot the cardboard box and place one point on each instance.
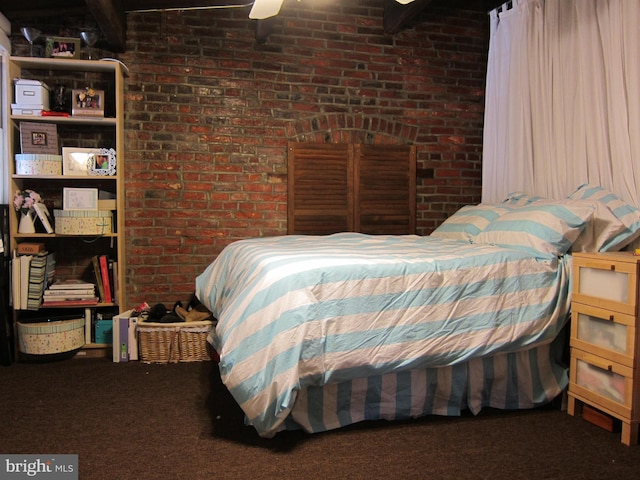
(30, 248)
(31, 92)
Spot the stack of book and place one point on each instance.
(32, 270)
(70, 293)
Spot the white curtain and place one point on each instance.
(563, 98)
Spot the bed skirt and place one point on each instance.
(520, 380)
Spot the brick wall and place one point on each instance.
(209, 112)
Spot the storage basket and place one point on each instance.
(174, 342)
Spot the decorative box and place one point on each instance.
(83, 222)
(38, 164)
(31, 92)
(46, 338)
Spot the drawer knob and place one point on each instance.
(612, 268)
(610, 368)
(611, 318)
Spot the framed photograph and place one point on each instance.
(79, 198)
(62, 47)
(77, 161)
(38, 137)
(87, 102)
(103, 162)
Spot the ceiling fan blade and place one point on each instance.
(265, 8)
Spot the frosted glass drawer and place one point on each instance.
(606, 280)
(601, 382)
(605, 333)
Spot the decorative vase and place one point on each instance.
(26, 224)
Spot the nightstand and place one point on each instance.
(605, 352)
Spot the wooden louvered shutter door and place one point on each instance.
(320, 189)
(385, 190)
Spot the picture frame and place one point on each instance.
(87, 102)
(80, 198)
(103, 163)
(39, 138)
(62, 47)
(76, 161)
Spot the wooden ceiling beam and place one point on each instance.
(396, 16)
(110, 16)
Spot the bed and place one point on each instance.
(320, 332)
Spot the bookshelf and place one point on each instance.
(74, 248)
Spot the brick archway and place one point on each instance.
(351, 128)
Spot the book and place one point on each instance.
(69, 303)
(106, 284)
(124, 338)
(122, 345)
(116, 285)
(25, 265)
(98, 276)
(70, 292)
(133, 337)
(35, 289)
(72, 285)
(15, 280)
(67, 295)
(50, 270)
(44, 216)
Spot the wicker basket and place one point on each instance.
(174, 342)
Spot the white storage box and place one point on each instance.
(31, 92)
(47, 338)
(38, 164)
(83, 222)
(29, 110)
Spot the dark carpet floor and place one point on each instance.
(138, 421)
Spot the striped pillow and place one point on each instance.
(469, 221)
(545, 228)
(521, 198)
(628, 214)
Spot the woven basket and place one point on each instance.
(174, 342)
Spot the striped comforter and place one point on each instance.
(301, 311)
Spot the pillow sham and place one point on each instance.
(521, 198)
(626, 213)
(547, 228)
(470, 220)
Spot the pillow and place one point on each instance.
(467, 222)
(626, 213)
(520, 198)
(548, 228)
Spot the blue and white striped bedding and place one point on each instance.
(300, 317)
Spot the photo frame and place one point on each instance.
(62, 47)
(87, 102)
(103, 162)
(39, 138)
(80, 198)
(76, 161)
